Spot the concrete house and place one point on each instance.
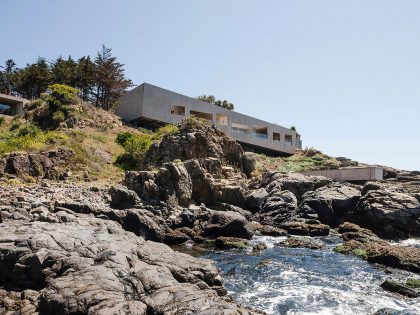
(149, 105)
(11, 105)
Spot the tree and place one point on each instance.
(34, 79)
(85, 77)
(110, 80)
(212, 100)
(64, 71)
(7, 77)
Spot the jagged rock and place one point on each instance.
(223, 242)
(389, 213)
(138, 222)
(364, 243)
(296, 183)
(193, 142)
(227, 223)
(400, 288)
(171, 184)
(306, 228)
(332, 202)
(278, 207)
(256, 198)
(123, 198)
(227, 207)
(268, 230)
(301, 242)
(260, 246)
(42, 165)
(92, 266)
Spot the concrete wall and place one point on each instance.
(351, 174)
(152, 102)
(16, 103)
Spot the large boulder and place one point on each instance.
(364, 243)
(40, 165)
(296, 183)
(197, 140)
(171, 184)
(227, 223)
(277, 208)
(123, 198)
(93, 266)
(389, 213)
(332, 202)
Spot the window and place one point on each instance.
(240, 129)
(5, 109)
(221, 119)
(289, 139)
(178, 110)
(261, 132)
(202, 115)
(276, 136)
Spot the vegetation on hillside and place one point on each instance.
(302, 160)
(135, 145)
(212, 100)
(100, 81)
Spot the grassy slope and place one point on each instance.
(302, 160)
(94, 146)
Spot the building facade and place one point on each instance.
(148, 105)
(11, 105)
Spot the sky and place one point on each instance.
(345, 73)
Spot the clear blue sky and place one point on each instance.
(345, 73)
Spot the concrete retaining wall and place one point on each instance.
(351, 174)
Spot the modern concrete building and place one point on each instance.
(358, 174)
(11, 105)
(148, 105)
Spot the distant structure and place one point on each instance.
(11, 105)
(357, 174)
(151, 106)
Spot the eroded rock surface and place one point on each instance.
(58, 261)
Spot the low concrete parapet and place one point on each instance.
(351, 174)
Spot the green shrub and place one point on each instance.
(2, 120)
(58, 117)
(59, 95)
(144, 130)
(35, 104)
(122, 137)
(29, 130)
(165, 130)
(135, 147)
(192, 122)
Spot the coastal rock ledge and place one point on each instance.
(86, 265)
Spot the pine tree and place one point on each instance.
(34, 79)
(7, 77)
(64, 71)
(85, 77)
(110, 80)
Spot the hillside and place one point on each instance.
(89, 133)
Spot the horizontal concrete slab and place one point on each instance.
(350, 174)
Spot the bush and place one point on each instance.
(34, 104)
(165, 130)
(135, 147)
(59, 95)
(58, 117)
(2, 120)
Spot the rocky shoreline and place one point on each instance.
(74, 248)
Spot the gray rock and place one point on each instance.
(332, 202)
(227, 223)
(123, 198)
(390, 213)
